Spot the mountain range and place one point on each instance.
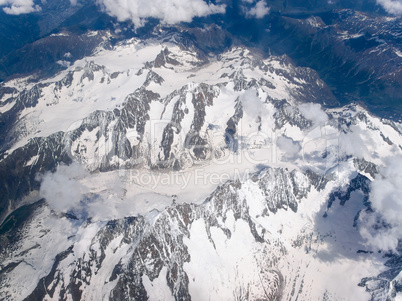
(237, 156)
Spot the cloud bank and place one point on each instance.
(383, 228)
(168, 11)
(18, 7)
(391, 6)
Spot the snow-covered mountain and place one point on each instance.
(154, 169)
(150, 103)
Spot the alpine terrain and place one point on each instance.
(230, 150)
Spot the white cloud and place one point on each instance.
(168, 11)
(259, 10)
(289, 147)
(391, 6)
(18, 7)
(62, 189)
(72, 189)
(313, 112)
(383, 228)
(63, 63)
(253, 106)
(354, 143)
(358, 142)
